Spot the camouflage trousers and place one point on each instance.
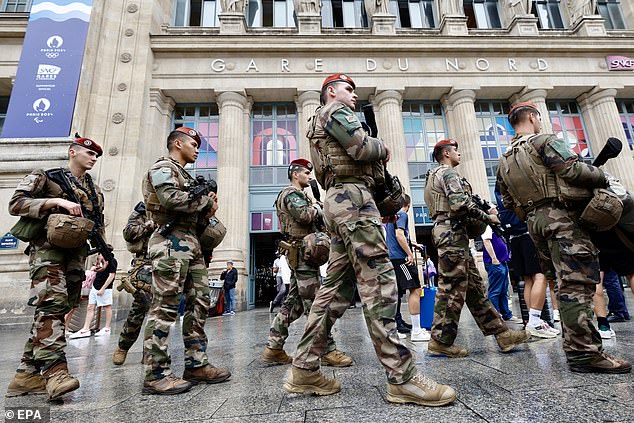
(140, 307)
(178, 270)
(358, 255)
(56, 276)
(305, 282)
(459, 281)
(566, 251)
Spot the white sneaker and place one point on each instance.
(556, 316)
(80, 334)
(420, 336)
(401, 335)
(552, 329)
(541, 331)
(606, 334)
(103, 331)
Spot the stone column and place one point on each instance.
(233, 188)
(602, 121)
(463, 127)
(307, 102)
(537, 97)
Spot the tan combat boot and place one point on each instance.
(59, 381)
(270, 355)
(24, 383)
(509, 339)
(603, 363)
(206, 374)
(169, 385)
(336, 359)
(303, 381)
(438, 348)
(119, 356)
(421, 390)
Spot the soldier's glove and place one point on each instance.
(615, 185)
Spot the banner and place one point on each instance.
(43, 96)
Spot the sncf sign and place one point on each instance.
(620, 63)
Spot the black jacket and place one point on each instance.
(230, 277)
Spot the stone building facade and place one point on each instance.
(248, 77)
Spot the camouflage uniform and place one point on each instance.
(135, 233)
(564, 247)
(178, 269)
(346, 160)
(298, 215)
(448, 197)
(56, 273)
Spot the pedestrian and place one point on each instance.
(56, 272)
(348, 162)
(307, 248)
(100, 296)
(137, 234)
(399, 246)
(456, 220)
(178, 268)
(230, 278)
(282, 278)
(541, 179)
(495, 256)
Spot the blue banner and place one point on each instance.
(43, 97)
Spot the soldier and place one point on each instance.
(139, 280)
(455, 215)
(299, 218)
(56, 270)
(547, 185)
(348, 163)
(178, 269)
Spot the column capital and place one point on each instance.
(537, 95)
(388, 96)
(161, 102)
(308, 97)
(596, 96)
(455, 98)
(232, 98)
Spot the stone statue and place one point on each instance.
(233, 5)
(580, 8)
(307, 6)
(376, 7)
(451, 7)
(521, 7)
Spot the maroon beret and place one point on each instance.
(521, 105)
(338, 77)
(192, 133)
(89, 144)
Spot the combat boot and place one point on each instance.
(602, 363)
(59, 381)
(24, 383)
(270, 355)
(421, 390)
(336, 359)
(303, 381)
(509, 339)
(206, 374)
(169, 385)
(119, 356)
(438, 348)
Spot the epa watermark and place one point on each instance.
(27, 414)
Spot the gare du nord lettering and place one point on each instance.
(400, 64)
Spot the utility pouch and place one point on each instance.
(28, 229)
(66, 231)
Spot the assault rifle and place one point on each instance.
(97, 243)
(485, 206)
(370, 121)
(203, 187)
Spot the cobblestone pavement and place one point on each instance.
(529, 385)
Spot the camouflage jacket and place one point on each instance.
(340, 146)
(448, 196)
(165, 192)
(36, 188)
(136, 233)
(558, 159)
(295, 210)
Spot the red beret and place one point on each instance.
(523, 104)
(445, 142)
(89, 144)
(297, 164)
(192, 133)
(338, 77)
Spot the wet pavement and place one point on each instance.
(531, 384)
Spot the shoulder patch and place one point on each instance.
(160, 176)
(562, 148)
